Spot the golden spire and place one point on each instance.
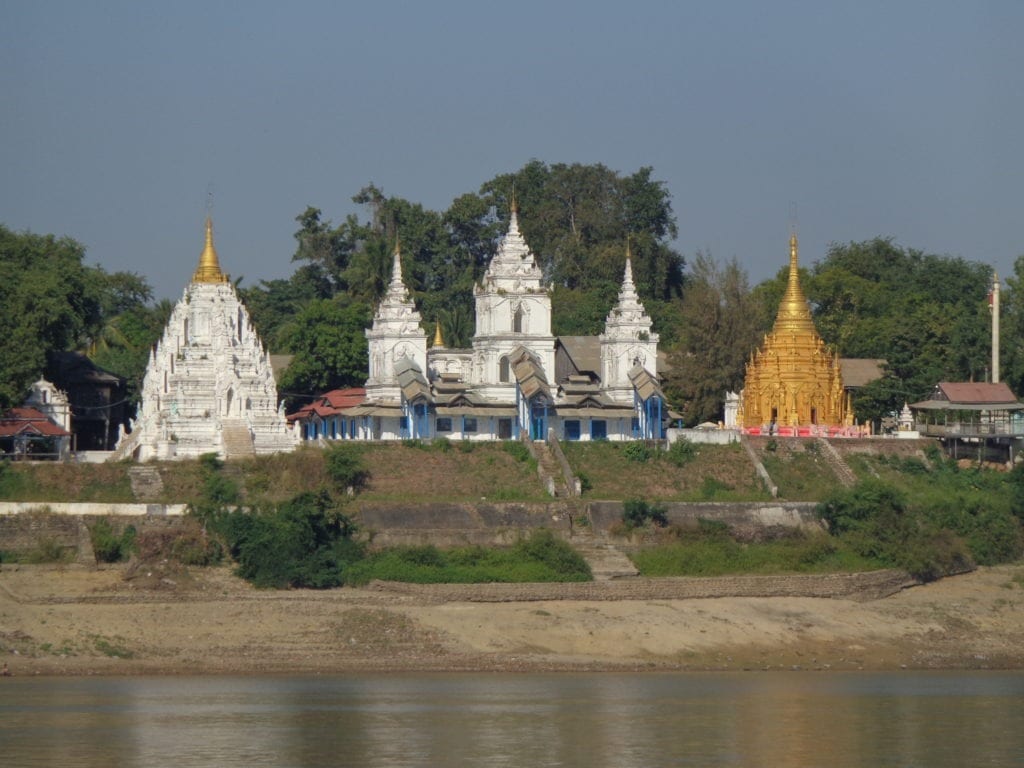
(438, 341)
(513, 203)
(208, 270)
(794, 312)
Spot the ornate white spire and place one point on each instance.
(396, 310)
(397, 289)
(396, 333)
(628, 319)
(514, 266)
(627, 341)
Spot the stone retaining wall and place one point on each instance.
(448, 525)
(443, 525)
(872, 585)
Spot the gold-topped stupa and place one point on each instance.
(794, 379)
(209, 270)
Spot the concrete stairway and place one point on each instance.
(147, 485)
(237, 439)
(605, 560)
(550, 472)
(838, 464)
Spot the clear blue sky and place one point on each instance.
(900, 119)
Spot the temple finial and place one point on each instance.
(513, 203)
(397, 285)
(627, 278)
(209, 270)
(438, 341)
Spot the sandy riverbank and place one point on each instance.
(75, 620)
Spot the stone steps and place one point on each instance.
(237, 439)
(838, 464)
(605, 560)
(147, 485)
(550, 471)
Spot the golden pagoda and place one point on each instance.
(794, 380)
(209, 270)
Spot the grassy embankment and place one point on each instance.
(924, 514)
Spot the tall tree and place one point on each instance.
(721, 323)
(51, 301)
(328, 340)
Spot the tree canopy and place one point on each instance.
(52, 301)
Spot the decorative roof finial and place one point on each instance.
(513, 203)
(209, 270)
(438, 341)
(397, 285)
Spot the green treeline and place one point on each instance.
(925, 314)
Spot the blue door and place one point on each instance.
(539, 422)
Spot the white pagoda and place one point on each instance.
(209, 387)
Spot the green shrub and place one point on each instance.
(681, 453)
(303, 542)
(109, 546)
(711, 487)
(638, 452)
(442, 444)
(345, 467)
(1017, 492)
(542, 546)
(516, 450)
(941, 533)
(637, 513)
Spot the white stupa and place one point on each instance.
(628, 343)
(209, 387)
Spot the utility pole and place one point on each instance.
(993, 305)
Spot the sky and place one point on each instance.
(122, 121)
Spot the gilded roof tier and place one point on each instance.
(794, 312)
(209, 270)
(794, 378)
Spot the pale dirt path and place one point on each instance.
(75, 620)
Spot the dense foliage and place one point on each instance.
(52, 301)
(304, 542)
(108, 545)
(959, 518)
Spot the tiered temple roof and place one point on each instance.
(794, 379)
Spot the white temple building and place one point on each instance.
(517, 380)
(209, 387)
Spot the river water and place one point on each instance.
(779, 720)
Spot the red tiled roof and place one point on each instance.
(330, 403)
(976, 392)
(18, 421)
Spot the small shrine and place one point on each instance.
(793, 383)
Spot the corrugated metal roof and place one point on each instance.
(975, 392)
